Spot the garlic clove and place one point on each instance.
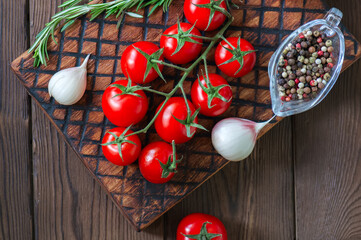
(235, 138)
(68, 85)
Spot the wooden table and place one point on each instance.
(302, 181)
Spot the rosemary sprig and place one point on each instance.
(71, 11)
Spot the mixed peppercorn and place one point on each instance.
(305, 65)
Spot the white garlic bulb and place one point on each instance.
(68, 86)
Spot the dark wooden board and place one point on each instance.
(16, 213)
(84, 124)
(327, 181)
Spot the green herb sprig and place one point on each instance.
(72, 10)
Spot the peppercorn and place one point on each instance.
(314, 89)
(308, 78)
(293, 90)
(304, 44)
(291, 62)
(300, 91)
(329, 43)
(288, 91)
(281, 63)
(314, 69)
(323, 60)
(326, 54)
(330, 49)
(281, 81)
(321, 71)
(329, 60)
(311, 49)
(299, 64)
(327, 69)
(294, 96)
(316, 33)
(301, 58)
(318, 61)
(286, 86)
(327, 76)
(307, 90)
(320, 85)
(284, 74)
(330, 65)
(298, 73)
(291, 83)
(292, 76)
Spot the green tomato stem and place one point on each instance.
(186, 71)
(169, 65)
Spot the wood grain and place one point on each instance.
(254, 198)
(69, 203)
(15, 161)
(83, 124)
(328, 155)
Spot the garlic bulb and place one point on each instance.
(234, 138)
(68, 86)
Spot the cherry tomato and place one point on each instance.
(134, 63)
(125, 109)
(193, 224)
(149, 162)
(200, 98)
(189, 50)
(200, 16)
(129, 151)
(246, 55)
(167, 127)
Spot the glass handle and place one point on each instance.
(333, 18)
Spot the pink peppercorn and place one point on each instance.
(313, 83)
(283, 98)
(319, 40)
(288, 99)
(298, 46)
(301, 35)
(286, 63)
(297, 81)
(304, 95)
(320, 53)
(330, 65)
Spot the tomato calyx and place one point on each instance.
(204, 234)
(119, 140)
(213, 6)
(182, 37)
(129, 89)
(237, 53)
(211, 91)
(151, 63)
(189, 122)
(171, 165)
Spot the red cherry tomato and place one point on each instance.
(200, 16)
(194, 223)
(188, 52)
(200, 98)
(126, 109)
(130, 152)
(167, 127)
(134, 64)
(149, 164)
(222, 55)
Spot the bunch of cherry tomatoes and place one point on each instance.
(124, 102)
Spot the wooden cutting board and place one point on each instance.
(264, 23)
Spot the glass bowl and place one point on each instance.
(329, 26)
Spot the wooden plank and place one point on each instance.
(328, 154)
(15, 168)
(70, 204)
(254, 198)
(142, 202)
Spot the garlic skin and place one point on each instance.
(235, 138)
(68, 86)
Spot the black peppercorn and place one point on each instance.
(281, 81)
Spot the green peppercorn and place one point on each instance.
(327, 76)
(328, 43)
(291, 83)
(315, 55)
(300, 58)
(306, 61)
(316, 33)
(300, 91)
(281, 63)
(312, 59)
(329, 60)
